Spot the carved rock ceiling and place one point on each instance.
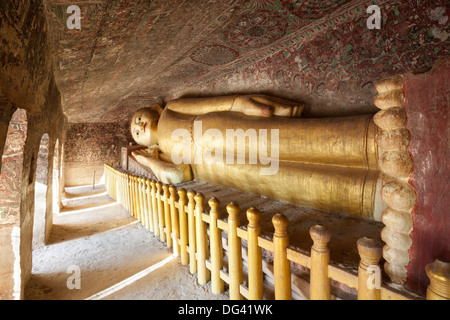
(152, 50)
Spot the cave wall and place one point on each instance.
(427, 108)
(11, 167)
(10, 197)
(26, 82)
(89, 146)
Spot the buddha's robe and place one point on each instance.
(324, 163)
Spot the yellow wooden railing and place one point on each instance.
(179, 219)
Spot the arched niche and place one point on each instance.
(56, 175)
(40, 188)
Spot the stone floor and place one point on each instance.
(114, 256)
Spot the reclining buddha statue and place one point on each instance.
(263, 145)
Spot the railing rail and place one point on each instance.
(179, 219)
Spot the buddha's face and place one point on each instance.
(144, 125)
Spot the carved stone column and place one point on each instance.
(396, 165)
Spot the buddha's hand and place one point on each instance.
(153, 151)
(264, 106)
(145, 153)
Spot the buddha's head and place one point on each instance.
(144, 125)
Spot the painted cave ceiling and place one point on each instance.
(130, 53)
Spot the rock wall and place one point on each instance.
(89, 146)
(10, 199)
(11, 169)
(26, 82)
(427, 98)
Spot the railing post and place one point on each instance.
(281, 264)
(133, 188)
(439, 274)
(116, 187)
(369, 272)
(111, 184)
(130, 195)
(191, 233)
(145, 203)
(215, 237)
(107, 172)
(234, 252)
(136, 197)
(126, 195)
(155, 209)
(123, 194)
(167, 219)
(106, 169)
(119, 187)
(140, 200)
(122, 189)
(162, 235)
(202, 240)
(148, 203)
(320, 285)
(255, 274)
(117, 175)
(107, 175)
(183, 227)
(127, 191)
(175, 220)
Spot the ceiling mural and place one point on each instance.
(343, 58)
(214, 54)
(316, 51)
(312, 9)
(255, 29)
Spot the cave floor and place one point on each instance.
(95, 240)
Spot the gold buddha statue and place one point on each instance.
(262, 145)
